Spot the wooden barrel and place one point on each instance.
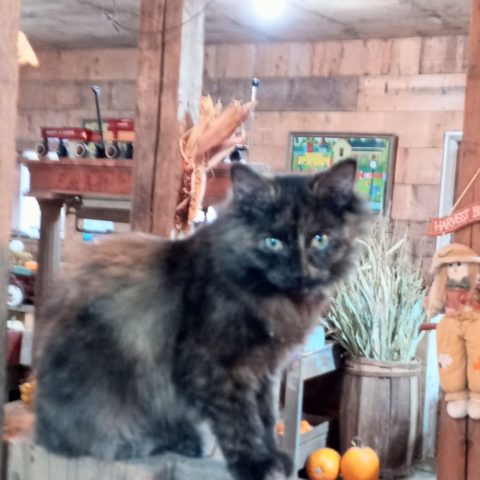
(380, 405)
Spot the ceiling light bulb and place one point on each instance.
(269, 9)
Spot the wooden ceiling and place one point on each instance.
(114, 23)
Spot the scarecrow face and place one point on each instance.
(457, 271)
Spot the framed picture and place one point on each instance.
(375, 155)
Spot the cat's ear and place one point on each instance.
(248, 185)
(338, 181)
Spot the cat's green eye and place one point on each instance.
(319, 241)
(273, 243)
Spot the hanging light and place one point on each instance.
(269, 9)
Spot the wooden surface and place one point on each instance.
(49, 246)
(168, 87)
(451, 447)
(28, 461)
(312, 93)
(473, 443)
(95, 177)
(469, 159)
(459, 440)
(380, 405)
(9, 22)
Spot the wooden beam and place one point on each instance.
(169, 80)
(9, 21)
(459, 440)
(49, 247)
(290, 94)
(451, 447)
(469, 158)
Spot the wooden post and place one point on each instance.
(49, 247)
(451, 447)
(9, 19)
(459, 440)
(469, 158)
(169, 84)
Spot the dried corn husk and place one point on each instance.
(203, 147)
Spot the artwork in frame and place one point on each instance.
(375, 155)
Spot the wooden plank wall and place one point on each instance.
(58, 92)
(411, 87)
(9, 22)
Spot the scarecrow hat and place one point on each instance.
(455, 252)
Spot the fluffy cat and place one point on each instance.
(148, 338)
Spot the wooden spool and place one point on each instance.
(380, 405)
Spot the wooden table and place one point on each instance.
(52, 182)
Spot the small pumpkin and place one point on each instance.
(304, 427)
(323, 464)
(360, 463)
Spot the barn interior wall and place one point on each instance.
(411, 87)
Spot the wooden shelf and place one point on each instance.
(80, 176)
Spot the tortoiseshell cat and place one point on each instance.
(150, 337)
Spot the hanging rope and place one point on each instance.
(464, 192)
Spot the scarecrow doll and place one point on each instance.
(456, 291)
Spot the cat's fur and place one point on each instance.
(150, 337)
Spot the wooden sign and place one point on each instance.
(454, 221)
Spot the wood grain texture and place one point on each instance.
(28, 461)
(421, 129)
(168, 87)
(149, 91)
(471, 130)
(418, 165)
(445, 54)
(473, 442)
(102, 177)
(380, 406)
(469, 159)
(181, 87)
(397, 56)
(411, 93)
(271, 60)
(451, 447)
(284, 94)
(92, 64)
(415, 202)
(232, 61)
(366, 57)
(9, 22)
(49, 248)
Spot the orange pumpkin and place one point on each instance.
(360, 463)
(323, 464)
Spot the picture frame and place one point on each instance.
(375, 155)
